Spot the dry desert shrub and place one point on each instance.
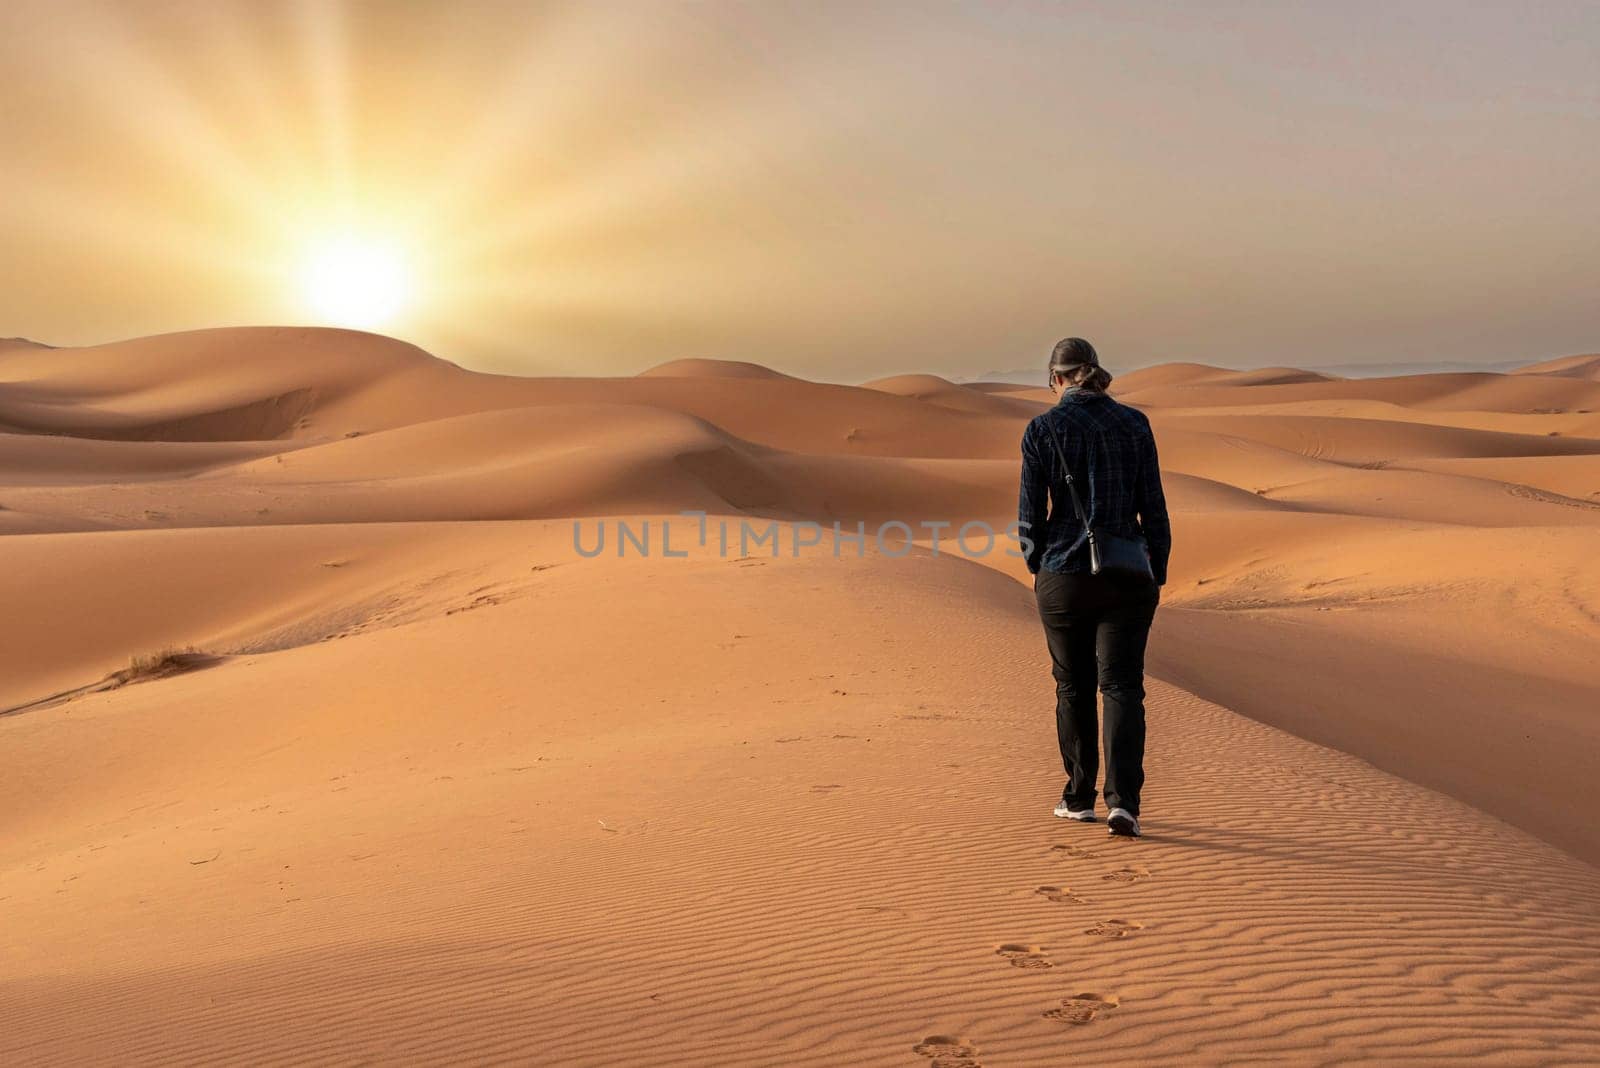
(159, 665)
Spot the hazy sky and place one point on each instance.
(836, 189)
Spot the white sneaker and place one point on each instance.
(1122, 823)
(1082, 815)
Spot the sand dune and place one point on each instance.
(1587, 367)
(961, 398)
(1168, 374)
(445, 789)
(702, 368)
(1574, 477)
(1507, 393)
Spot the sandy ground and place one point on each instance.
(440, 788)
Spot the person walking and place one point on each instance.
(1092, 507)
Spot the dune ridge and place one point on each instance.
(1582, 366)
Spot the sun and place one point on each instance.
(356, 281)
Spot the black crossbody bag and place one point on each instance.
(1107, 552)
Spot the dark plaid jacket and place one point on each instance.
(1112, 456)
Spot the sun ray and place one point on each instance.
(322, 36)
(251, 90)
(71, 213)
(161, 114)
(706, 140)
(547, 85)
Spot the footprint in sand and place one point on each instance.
(1131, 874)
(948, 1051)
(1074, 851)
(1114, 928)
(1080, 1009)
(1022, 955)
(1061, 895)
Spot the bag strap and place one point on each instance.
(1072, 489)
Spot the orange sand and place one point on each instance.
(453, 792)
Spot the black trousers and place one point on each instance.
(1096, 627)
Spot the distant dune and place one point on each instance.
(20, 343)
(1168, 374)
(1355, 369)
(1585, 367)
(1392, 368)
(935, 390)
(320, 740)
(700, 368)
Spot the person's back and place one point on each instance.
(1096, 618)
(1109, 450)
